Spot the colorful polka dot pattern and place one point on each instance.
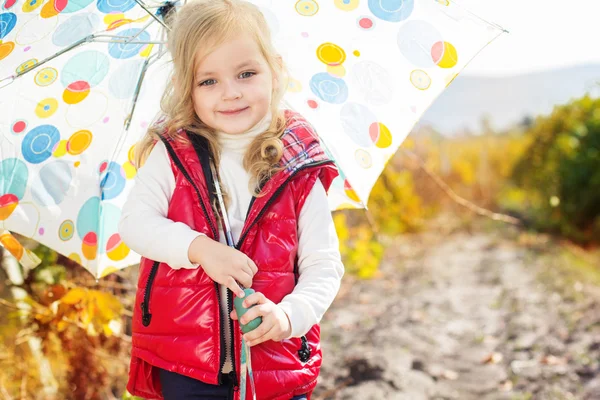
(361, 72)
(65, 178)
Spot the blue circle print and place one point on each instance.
(88, 218)
(90, 66)
(13, 177)
(7, 23)
(128, 50)
(38, 144)
(51, 184)
(109, 225)
(392, 10)
(329, 88)
(76, 5)
(101, 218)
(110, 6)
(75, 28)
(112, 181)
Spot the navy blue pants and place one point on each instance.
(181, 387)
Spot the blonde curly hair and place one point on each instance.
(210, 23)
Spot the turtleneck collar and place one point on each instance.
(238, 143)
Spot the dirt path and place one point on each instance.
(464, 316)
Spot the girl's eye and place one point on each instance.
(208, 82)
(247, 74)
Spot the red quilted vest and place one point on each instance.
(177, 324)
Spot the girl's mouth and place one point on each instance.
(233, 111)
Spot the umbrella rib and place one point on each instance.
(44, 61)
(149, 61)
(145, 7)
(138, 87)
(142, 29)
(132, 42)
(93, 38)
(88, 39)
(478, 17)
(122, 39)
(136, 95)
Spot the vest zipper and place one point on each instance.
(215, 233)
(231, 332)
(146, 316)
(177, 162)
(222, 335)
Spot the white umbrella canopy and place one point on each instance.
(80, 81)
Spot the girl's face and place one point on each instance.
(233, 86)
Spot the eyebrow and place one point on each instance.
(239, 66)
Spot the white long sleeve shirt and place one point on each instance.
(145, 228)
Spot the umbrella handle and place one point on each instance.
(241, 310)
(237, 301)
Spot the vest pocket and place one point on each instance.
(145, 305)
(304, 352)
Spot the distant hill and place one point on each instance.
(507, 100)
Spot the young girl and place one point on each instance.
(223, 107)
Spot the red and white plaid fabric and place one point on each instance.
(301, 144)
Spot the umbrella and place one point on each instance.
(81, 81)
(71, 74)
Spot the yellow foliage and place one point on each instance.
(476, 167)
(92, 310)
(359, 248)
(73, 296)
(465, 170)
(394, 203)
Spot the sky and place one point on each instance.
(544, 34)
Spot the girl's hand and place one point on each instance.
(275, 322)
(224, 264)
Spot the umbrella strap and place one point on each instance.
(246, 367)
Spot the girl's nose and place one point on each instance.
(231, 91)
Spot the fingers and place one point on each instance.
(272, 326)
(269, 335)
(268, 330)
(254, 298)
(253, 266)
(246, 268)
(233, 315)
(244, 278)
(259, 334)
(246, 272)
(252, 314)
(234, 287)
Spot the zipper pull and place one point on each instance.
(146, 316)
(304, 352)
(235, 385)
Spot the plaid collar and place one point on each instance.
(301, 144)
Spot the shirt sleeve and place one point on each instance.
(320, 266)
(144, 225)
